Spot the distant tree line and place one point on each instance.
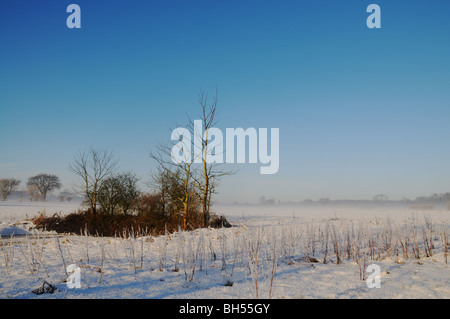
(38, 187)
(441, 198)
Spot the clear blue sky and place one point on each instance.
(360, 111)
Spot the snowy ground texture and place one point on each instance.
(270, 252)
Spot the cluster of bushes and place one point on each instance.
(148, 214)
(117, 206)
(183, 188)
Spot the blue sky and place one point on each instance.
(360, 111)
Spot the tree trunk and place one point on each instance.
(185, 214)
(205, 197)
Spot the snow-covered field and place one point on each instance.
(270, 252)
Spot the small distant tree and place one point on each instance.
(7, 186)
(44, 184)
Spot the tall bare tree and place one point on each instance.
(7, 186)
(211, 171)
(44, 183)
(196, 147)
(92, 166)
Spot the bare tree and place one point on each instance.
(211, 171)
(7, 186)
(180, 170)
(92, 166)
(44, 184)
(195, 146)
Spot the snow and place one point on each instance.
(9, 231)
(143, 267)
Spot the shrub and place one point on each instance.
(149, 219)
(117, 194)
(219, 222)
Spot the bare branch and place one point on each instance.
(92, 166)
